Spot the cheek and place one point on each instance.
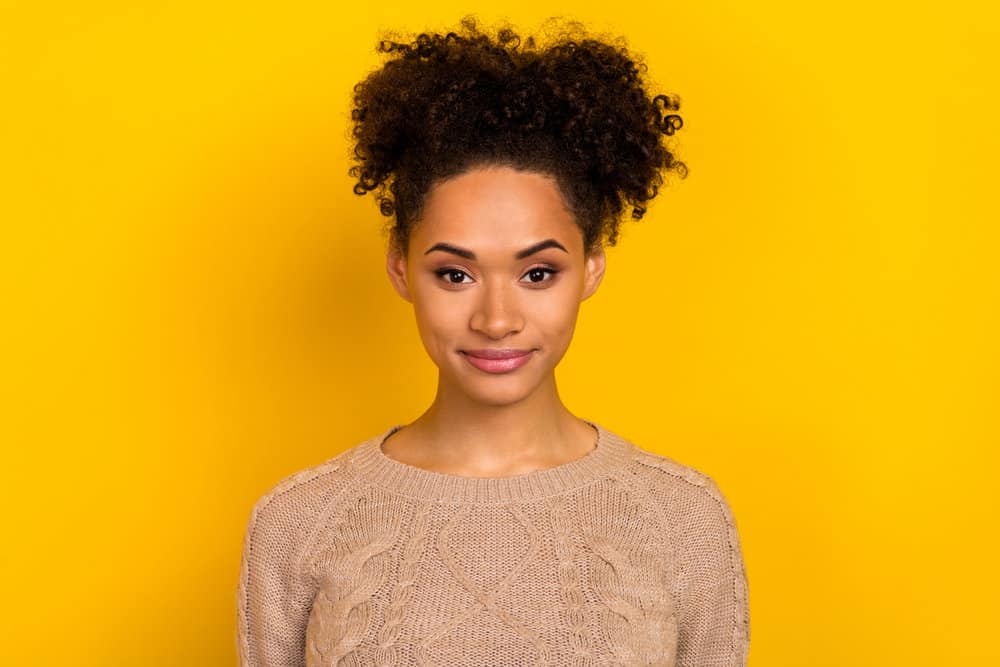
(555, 318)
(439, 320)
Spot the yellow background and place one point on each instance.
(195, 305)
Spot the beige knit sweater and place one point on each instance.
(621, 557)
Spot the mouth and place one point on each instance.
(497, 361)
(491, 353)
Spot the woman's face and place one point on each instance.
(496, 262)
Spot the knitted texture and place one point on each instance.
(621, 557)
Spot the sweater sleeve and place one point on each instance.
(713, 617)
(273, 602)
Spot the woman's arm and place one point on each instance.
(272, 608)
(713, 618)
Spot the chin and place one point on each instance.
(498, 398)
(496, 390)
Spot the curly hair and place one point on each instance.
(576, 110)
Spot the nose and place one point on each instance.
(497, 313)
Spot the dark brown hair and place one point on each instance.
(577, 110)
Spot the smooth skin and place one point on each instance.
(482, 424)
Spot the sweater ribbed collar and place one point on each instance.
(375, 467)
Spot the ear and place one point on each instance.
(395, 266)
(593, 266)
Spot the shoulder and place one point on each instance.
(293, 499)
(698, 512)
(682, 488)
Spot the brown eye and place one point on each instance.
(539, 272)
(451, 273)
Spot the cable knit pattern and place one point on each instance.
(620, 557)
(349, 572)
(627, 576)
(386, 654)
(571, 593)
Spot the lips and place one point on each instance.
(490, 353)
(497, 361)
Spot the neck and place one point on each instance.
(459, 435)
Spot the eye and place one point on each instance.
(451, 272)
(540, 271)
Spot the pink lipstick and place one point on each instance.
(497, 361)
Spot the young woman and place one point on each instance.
(498, 528)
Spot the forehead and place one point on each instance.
(495, 207)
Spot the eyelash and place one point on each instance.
(443, 272)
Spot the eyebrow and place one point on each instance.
(520, 254)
